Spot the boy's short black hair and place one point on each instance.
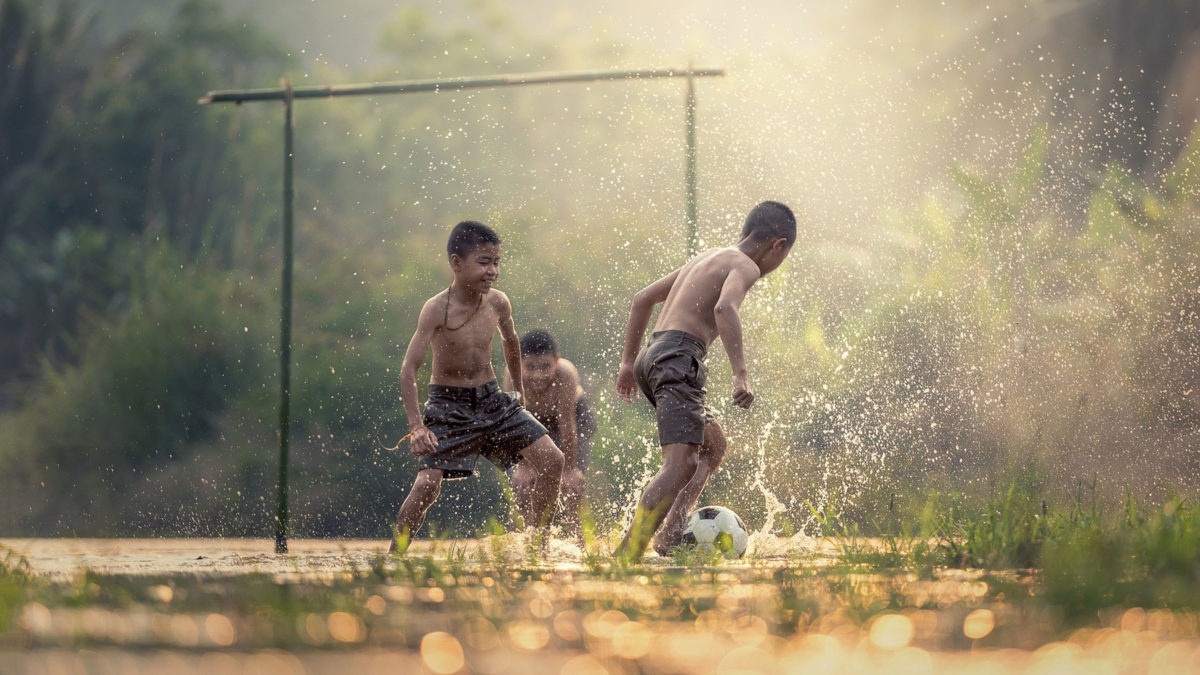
(538, 342)
(468, 236)
(770, 220)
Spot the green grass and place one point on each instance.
(15, 580)
(1042, 570)
(1082, 557)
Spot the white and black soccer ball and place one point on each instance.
(716, 527)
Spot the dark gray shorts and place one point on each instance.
(670, 372)
(474, 421)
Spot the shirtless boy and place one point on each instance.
(466, 414)
(700, 303)
(555, 397)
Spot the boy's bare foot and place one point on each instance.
(624, 555)
(666, 542)
(400, 542)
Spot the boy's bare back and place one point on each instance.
(697, 287)
(702, 298)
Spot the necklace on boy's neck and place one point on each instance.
(446, 313)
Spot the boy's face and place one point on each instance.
(775, 255)
(479, 269)
(537, 370)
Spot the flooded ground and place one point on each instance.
(62, 558)
(490, 606)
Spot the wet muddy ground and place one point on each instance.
(492, 606)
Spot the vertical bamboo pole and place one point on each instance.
(285, 329)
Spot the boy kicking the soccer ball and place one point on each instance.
(467, 415)
(700, 303)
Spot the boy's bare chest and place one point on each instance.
(466, 339)
(543, 404)
(464, 331)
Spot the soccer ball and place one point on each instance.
(716, 527)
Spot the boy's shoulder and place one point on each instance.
(566, 369)
(738, 256)
(498, 300)
(721, 253)
(435, 302)
(727, 258)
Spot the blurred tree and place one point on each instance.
(100, 143)
(1114, 81)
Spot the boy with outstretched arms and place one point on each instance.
(555, 397)
(466, 414)
(700, 303)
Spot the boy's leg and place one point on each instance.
(679, 464)
(424, 493)
(522, 481)
(711, 455)
(574, 488)
(546, 462)
(572, 498)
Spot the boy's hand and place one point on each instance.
(422, 442)
(625, 384)
(742, 396)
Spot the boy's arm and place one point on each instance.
(568, 385)
(423, 441)
(512, 345)
(729, 327)
(639, 315)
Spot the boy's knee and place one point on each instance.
(546, 458)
